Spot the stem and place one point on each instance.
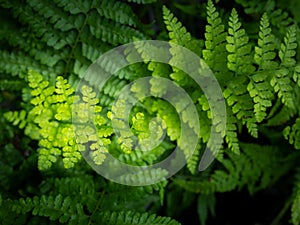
(282, 212)
(96, 208)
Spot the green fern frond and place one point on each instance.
(49, 121)
(65, 36)
(177, 33)
(239, 58)
(288, 48)
(145, 177)
(239, 61)
(110, 32)
(265, 51)
(255, 6)
(254, 169)
(282, 80)
(280, 18)
(280, 114)
(296, 75)
(215, 54)
(231, 132)
(18, 64)
(259, 87)
(193, 161)
(241, 103)
(205, 126)
(205, 206)
(170, 117)
(292, 134)
(70, 186)
(260, 90)
(119, 12)
(140, 158)
(142, 1)
(17, 118)
(124, 218)
(62, 209)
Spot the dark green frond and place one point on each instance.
(292, 134)
(124, 218)
(215, 54)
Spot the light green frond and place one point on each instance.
(177, 33)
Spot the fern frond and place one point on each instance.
(215, 54)
(60, 208)
(145, 177)
(259, 87)
(296, 75)
(280, 19)
(231, 132)
(142, 1)
(205, 205)
(288, 48)
(177, 33)
(17, 64)
(124, 218)
(11, 85)
(119, 12)
(292, 134)
(239, 61)
(66, 37)
(70, 186)
(280, 114)
(260, 90)
(254, 6)
(254, 169)
(110, 32)
(265, 51)
(241, 103)
(17, 118)
(49, 121)
(282, 80)
(193, 162)
(239, 58)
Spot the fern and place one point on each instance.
(261, 171)
(133, 218)
(65, 37)
(239, 61)
(142, 1)
(64, 209)
(177, 33)
(231, 132)
(206, 205)
(256, 6)
(215, 53)
(49, 121)
(259, 87)
(215, 56)
(59, 40)
(292, 134)
(282, 80)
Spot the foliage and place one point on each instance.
(45, 49)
